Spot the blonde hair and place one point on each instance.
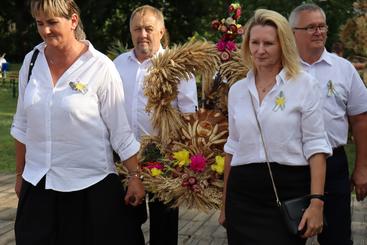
(290, 58)
(59, 8)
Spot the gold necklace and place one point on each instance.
(266, 87)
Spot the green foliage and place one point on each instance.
(116, 48)
(7, 150)
(108, 20)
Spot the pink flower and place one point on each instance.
(240, 31)
(151, 165)
(223, 28)
(221, 45)
(230, 46)
(225, 56)
(215, 24)
(198, 163)
(237, 14)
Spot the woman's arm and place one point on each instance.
(227, 169)
(313, 216)
(19, 165)
(135, 190)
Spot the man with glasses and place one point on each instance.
(345, 101)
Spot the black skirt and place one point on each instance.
(252, 215)
(95, 215)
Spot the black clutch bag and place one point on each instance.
(292, 211)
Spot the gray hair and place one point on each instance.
(147, 8)
(293, 17)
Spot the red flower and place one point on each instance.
(237, 14)
(150, 165)
(215, 24)
(233, 28)
(198, 163)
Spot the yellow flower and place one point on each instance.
(219, 165)
(182, 158)
(279, 102)
(155, 172)
(80, 86)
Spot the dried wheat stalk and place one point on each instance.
(161, 85)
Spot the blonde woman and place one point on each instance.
(287, 104)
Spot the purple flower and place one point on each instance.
(230, 46)
(198, 163)
(221, 45)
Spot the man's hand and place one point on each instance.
(359, 181)
(135, 192)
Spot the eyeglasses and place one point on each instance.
(312, 29)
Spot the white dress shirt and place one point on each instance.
(133, 73)
(69, 135)
(292, 131)
(343, 92)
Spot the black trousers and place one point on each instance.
(252, 216)
(337, 208)
(163, 224)
(93, 216)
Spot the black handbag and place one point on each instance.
(291, 210)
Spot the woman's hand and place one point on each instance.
(222, 217)
(18, 184)
(135, 191)
(312, 219)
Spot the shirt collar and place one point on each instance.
(91, 50)
(132, 56)
(325, 57)
(280, 78)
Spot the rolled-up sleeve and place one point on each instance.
(19, 125)
(314, 137)
(231, 145)
(113, 113)
(357, 98)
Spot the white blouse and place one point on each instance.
(69, 134)
(290, 116)
(343, 94)
(133, 73)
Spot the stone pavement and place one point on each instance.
(195, 228)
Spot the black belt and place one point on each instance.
(338, 150)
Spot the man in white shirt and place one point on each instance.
(345, 99)
(3, 67)
(147, 30)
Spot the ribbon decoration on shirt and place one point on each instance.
(330, 89)
(79, 87)
(279, 102)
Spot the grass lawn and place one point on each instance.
(7, 151)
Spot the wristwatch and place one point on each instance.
(317, 196)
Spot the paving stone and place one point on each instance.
(195, 227)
